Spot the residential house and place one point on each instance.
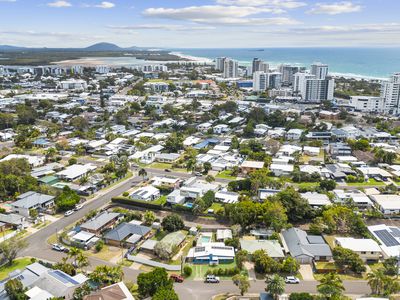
(388, 238)
(34, 161)
(84, 239)
(368, 250)
(75, 172)
(271, 247)
(14, 221)
(387, 204)
(204, 127)
(211, 253)
(117, 291)
(305, 248)
(101, 222)
(249, 166)
(146, 193)
(32, 200)
(316, 199)
(169, 158)
(126, 234)
(223, 234)
(294, 134)
(356, 197)
(221, 128)
(226, 197)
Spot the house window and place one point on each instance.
(363, 252)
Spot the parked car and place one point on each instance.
(176, 278)
(292, 280)
(78, 207)
(198, 174)
(167, 170)
(211, 279)
(59, 248)
(68, 213)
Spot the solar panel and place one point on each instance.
(64, 278)
(386, 238)
(395, 231)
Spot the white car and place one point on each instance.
(68, 213)
(58, 247)
(78, 206)
(292, 280)
(212, 279)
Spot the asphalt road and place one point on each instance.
(196, 290)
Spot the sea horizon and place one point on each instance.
(357, 62)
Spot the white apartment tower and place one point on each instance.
(260, 80)
(319, 70)
(231, 68)
(390, 94)
(219, 63)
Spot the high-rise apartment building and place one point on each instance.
(320, 70)
(390, 94)
(260, 80)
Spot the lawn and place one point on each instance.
(160, 201)
(370, 182)
(215, 206)
(200, 270)
(17, 264)
(159, 235)
(164, 166)
(306, 185)
(227, 174)
(106, 253)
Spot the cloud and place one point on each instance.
(287, 4)
(169, 27)
(105, 5)
(38, 33)
(8, 1)
(222, 15)
(335, 8)
(59, 4)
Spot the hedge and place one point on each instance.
(223, 272)
(129, 201)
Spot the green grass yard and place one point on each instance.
(227, 174)
(163, 166)
(215, 206)
(17, 264)
(370, 182)
(200, 270)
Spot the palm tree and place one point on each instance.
(74, 253)
(143, 173)
(210, 178)
(376, 281)
(82, 261)
(331, 286)
(275, 285)
(83, 180)
(50, 153)
(190, 164)
(242, 282)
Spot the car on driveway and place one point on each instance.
(59, 248)
(68, 213)
(211, 279)
(292, 280)
(176, 278)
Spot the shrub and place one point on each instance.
(300, 296)
(125, 194)
(99, 246)
(187, 271)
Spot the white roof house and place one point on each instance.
(227, 197)
(357, 197)
(388, 237)
(388, 204)
(252, 164)
(316, 199)
(33, 161)
(146, 193)
(211, 252)
(76, 171)
(374, 171)
(223, 234)
(358, 245)
(280, 170)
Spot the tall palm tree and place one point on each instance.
(82, 261)
(376, 281)
(74, 253)
(275, 285)
(331, 286)
(143, 173)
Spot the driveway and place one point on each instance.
(306, 272)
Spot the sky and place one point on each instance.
(201, 23)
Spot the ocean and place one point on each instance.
(355, 62)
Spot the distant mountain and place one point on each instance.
(96, 47)
(103, 47)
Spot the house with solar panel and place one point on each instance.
(388, 238)
(211, 253)
(305, 248)
(146, 193)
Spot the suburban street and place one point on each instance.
(197, 290)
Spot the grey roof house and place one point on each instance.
(13, 220)
(101, 222)
(305, 248)
(32, 200)
(126, 233)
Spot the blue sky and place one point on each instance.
(200, 23)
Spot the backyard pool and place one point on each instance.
(204, 238)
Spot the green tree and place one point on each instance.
(290, 265)
(240, 258)
(209, 178)
(327, 185)
(390, 266)
(301, 296)
(331, 287)
(15, 289)
(143, 173)
(10, 248)
(207, 167)
(242, 282)
(149, 283)
(264, 264)
(297, 208)
(275, 286)
(67, 199)
(79, 123)
(106, 275)
(149, 217)
(343, 220)
(33, 213)
(174, 143)
(164, 293)
(172, 223)
(27, 115)
(376, 281)
(346, 258)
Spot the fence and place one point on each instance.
(152, 263)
